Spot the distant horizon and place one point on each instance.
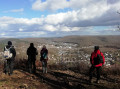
(58, 36)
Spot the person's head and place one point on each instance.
(9, 43)
(96, 48)
(31, 45)
(44, 46)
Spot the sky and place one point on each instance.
(57, 18)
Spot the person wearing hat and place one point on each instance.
(9, 62)
(97, 60)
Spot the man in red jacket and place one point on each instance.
(97, 60)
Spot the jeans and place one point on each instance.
(44, 66)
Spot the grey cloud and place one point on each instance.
(112, 1)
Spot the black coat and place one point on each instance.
(32, 52)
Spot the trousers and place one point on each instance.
(8, 66)
(98, 70)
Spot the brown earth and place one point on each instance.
(55, 79)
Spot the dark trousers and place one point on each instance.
(98, 70)
(31, 66)
(8, 66)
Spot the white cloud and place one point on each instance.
(30, 34)
(66, 29)
(49, 28)
(2, 34)
(17, 10)
(50, 4)
(10, 20)
(59, 4)
(56, 18)
(3, 26)
(14, 10)
(21, 29)
(62, 4)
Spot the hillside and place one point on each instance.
(90, 40)
(81, 40)
(39, 40)
(55, 79)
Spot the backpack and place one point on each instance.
(45, 56)
(98, 59)
(7, 54)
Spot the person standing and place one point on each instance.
(97, 60)
(9, 55)
(44, 58)
(32, 52)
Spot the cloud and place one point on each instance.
(83, 13)
(49, 28)
(51, 4)
(20, 29)
(32, 34)
(2, 34)
(14, 10)
(83, 17)
(112, 1)
(62, 4)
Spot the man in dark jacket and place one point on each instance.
(32, 52)
(9, 63)
(96, 63)
(44, 58)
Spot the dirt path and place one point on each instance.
(55, 79)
